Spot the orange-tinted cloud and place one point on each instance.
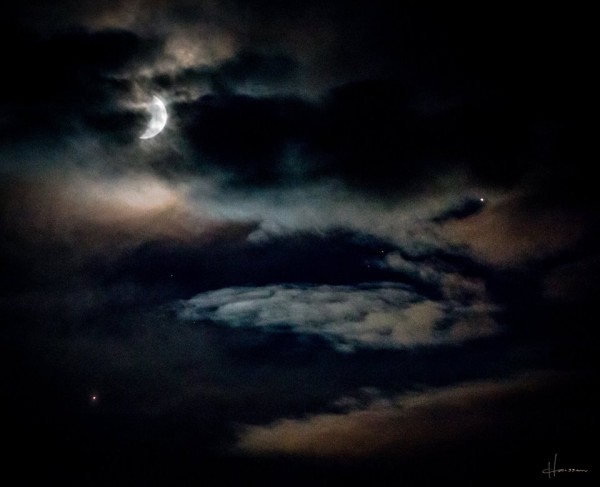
(516, 230)
(95, 214)
(402, 425)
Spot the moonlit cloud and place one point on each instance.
(376, 315)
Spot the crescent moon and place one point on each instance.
(158, 120)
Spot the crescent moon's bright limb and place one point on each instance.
(158, 112)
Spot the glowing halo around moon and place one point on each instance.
(158, 120)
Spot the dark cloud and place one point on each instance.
(253, 68)
(248, 137)
(333, 258)
(246, 71)
(463, 209)
(575, 281)
(71, 84)
(381, 137)
(449, 95)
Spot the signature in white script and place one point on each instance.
(552, 469)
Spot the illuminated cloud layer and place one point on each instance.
(399, 425)
(375, 315)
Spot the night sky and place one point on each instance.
(363, 248)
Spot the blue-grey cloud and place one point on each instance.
(375, 315)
